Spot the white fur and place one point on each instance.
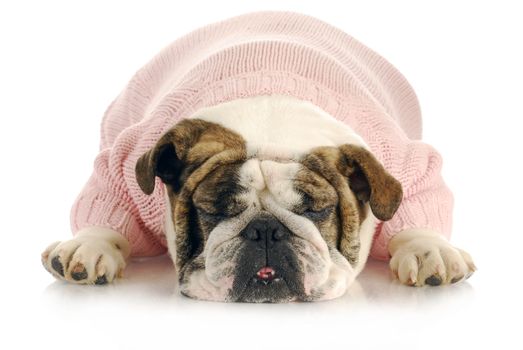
(280, 127)
(279, 181)
(170, 233)
(420, 253)
(95, 249)
(279, 130)
(367, 230)
(214, 283)
(334, 275)
(284, 127)
(270, 188)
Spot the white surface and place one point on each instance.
(62, 63)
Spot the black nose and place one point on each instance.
(265, 229)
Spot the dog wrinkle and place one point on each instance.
(273, 185)
(279, 181)
(250, 175)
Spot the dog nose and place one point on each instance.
(266, 229)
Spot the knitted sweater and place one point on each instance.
(260, 54)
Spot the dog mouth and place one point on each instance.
(268, 285)
(266, 275)
(261, 271)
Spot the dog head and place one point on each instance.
(264, 230)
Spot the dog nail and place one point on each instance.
(456, 279)
(413, 276)
(79, 272)
(101, 280)
(433, 280)
(57, 265)
(412, 279)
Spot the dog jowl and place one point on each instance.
(258, 230)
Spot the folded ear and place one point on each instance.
(160, 161)
(369, 180)
(167, 158)
(182, 150)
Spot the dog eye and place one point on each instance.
(212, 217)
(317, 215)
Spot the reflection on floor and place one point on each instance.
(154, 280)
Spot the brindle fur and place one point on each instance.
(193, 149)
(323, 160)
(318, 194)
(358, 177)
(203, 160)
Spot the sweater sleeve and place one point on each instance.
(427, 201)
(107, 201)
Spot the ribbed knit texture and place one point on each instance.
(260, 54)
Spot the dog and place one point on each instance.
(270, 154)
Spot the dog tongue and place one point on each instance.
(266, 273)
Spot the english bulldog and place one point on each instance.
(270, 155)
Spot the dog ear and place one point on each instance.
(370, 182)
(167, 159)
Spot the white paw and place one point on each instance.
(93, 256)
(419, 260)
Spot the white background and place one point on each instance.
(62, 63)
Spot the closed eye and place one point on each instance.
(317, 215)
(214, 217)
(211, 216)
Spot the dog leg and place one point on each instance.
(95, 255)
(423, 257)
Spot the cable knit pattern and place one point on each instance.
(259, 54)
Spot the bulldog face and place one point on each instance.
(264, 230)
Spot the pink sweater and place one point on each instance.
(259, 54)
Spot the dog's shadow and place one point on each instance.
(155, 279)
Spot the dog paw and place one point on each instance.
(91, 258)
(430, 260)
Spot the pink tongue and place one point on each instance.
(265, 273)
